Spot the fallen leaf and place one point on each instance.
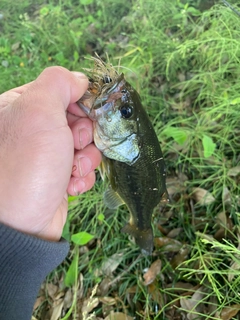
(174, 232)
(228, 313)
(156, 294)
(104, 286)
(174, 185)
(221, 222)
(202, 196)
(180, 257)
(193, 305)
(168, 244)
(180, 288)
(107, 305)
(89, 305)
(38, 302)
(226, 196)
(80, 293)
(51, 290)
(221, 219)
(68, 299)
(235, 265)
(57, 309)
(111, 264)
(232, 270)
(213, 304)
(107, 300)
(118, 316)
(233, 172)
(152, 272)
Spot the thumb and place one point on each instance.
(56, 87)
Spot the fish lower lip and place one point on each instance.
(84, 108)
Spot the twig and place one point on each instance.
(231, 7)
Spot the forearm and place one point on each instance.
(25, 261)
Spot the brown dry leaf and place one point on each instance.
(179, 257)
(84, 255)
(229, 312)
(226, 196)
(174, 232)
(152, 272)
(89, 305)
(169, 244)
(118, 316)
(104, 286)
(156, 294)
(81, 288)
(221, 219)
(212, 304)
(51, 290)
(68, 299)
(208, 237)
(107, 300)
(174, 186)
(38, 302)
(202, 196)
(57, 309)
(235, 265)
(192, 305)
(107, 305)
(111, 264)
(233, 172)
(181, 288)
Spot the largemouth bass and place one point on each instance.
(132, 157)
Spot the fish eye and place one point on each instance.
(107, 79)
(126, 111)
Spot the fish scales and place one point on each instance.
(132, 157)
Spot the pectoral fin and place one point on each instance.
(112, 199)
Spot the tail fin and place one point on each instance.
(143, 238)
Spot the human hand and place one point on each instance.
(46, 150)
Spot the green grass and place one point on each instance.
(183, 58)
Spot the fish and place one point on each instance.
(132, 157)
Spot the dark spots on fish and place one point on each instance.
(124, 91)
(107, 79)
(126, 111)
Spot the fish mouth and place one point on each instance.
(95, 98)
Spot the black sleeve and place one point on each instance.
(25, 261)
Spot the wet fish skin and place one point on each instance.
(142, 184)
(133, 159)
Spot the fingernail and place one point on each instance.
(84, 165)
(84, 138)
(78, 186)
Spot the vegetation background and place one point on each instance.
(183, 58)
